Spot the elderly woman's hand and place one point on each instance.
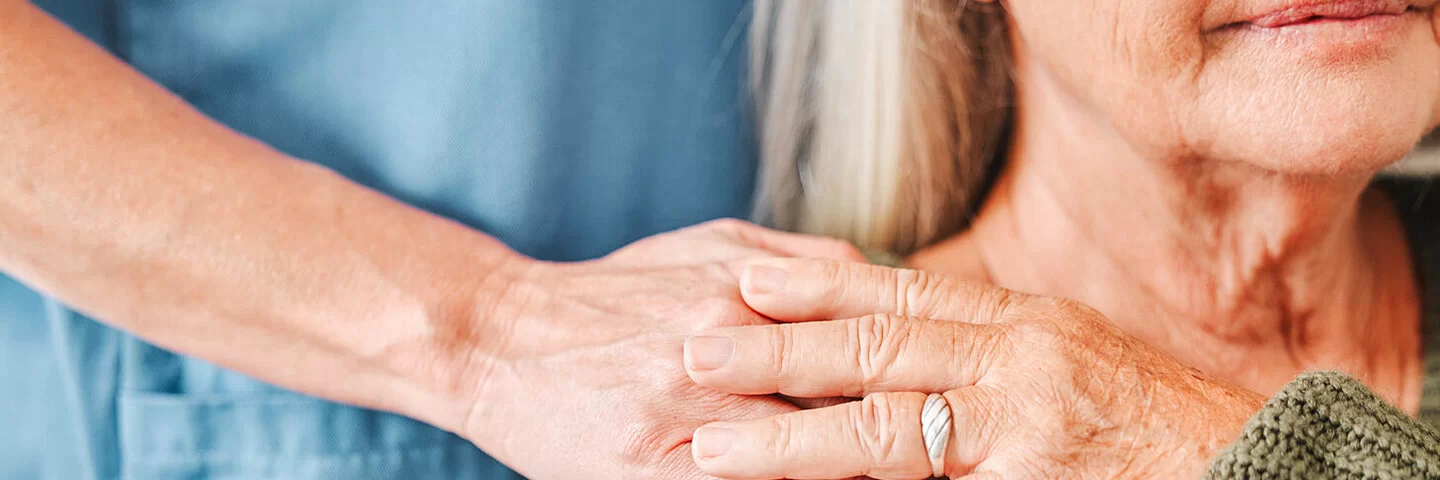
(1038, 387)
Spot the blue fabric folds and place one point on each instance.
(566, 128)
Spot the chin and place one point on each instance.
(1342, 110)
(1336, 141)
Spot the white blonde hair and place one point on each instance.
(879, 119)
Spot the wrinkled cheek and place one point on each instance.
(1117, 43)
(1134, 62)
(1160, 57)
(1161, 45)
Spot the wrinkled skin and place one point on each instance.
(1039, 387)
(585, 380)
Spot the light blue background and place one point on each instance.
(566, 128)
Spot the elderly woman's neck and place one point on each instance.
(1220, 262)
(1216, 241)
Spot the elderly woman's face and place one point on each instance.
(1301, 86)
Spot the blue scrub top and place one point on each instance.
(566, 128)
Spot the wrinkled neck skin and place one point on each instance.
(1249, 275)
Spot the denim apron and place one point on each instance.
(566, 128)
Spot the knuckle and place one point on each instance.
(832, 278)
(717, 312)
(995, 346)
(1041, 334)
(990, 426)
(878, 422)
(918, 291)
(835, 276)
(661, 375)
(843, 249)
(728, 229)
(999, 303)
(1071, 309)
(911, 287)
(784, 437)
(877, 341)
(1060, 320)
(726, 224)
(876, 441)
(782, 347)
(646, 444)
(976, 351)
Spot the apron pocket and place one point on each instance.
(283, 435)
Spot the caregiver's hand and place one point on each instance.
(587, 382)
(1039, 387)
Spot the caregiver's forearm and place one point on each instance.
(124, 202)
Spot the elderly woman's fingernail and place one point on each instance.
(709, 352)
(711, 442)
(761, 279)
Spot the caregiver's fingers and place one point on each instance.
(789, 243)
(678, 464)
(879, 437)
(793, 289)
(848, 358)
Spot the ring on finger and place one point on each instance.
(935, 425)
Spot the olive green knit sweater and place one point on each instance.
(1328, 425)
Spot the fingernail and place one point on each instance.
(708, 352)
(762, 279)
(712, 442)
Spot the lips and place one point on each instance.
(1320, 32)
(1294, 13)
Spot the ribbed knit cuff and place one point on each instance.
(1328, 425)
